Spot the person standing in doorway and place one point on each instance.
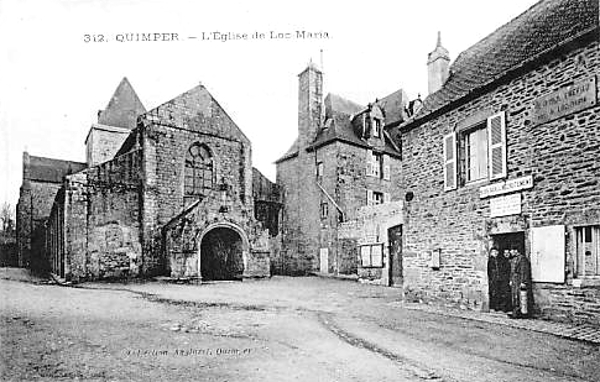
(505, 303)
(498, 281)
(520, 280)
(493, 272)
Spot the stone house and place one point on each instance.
(164, 192)
(504, 152)
(342, 160)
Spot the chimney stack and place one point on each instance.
(310, 104)
(438, 66)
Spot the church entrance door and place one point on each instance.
(221, 255)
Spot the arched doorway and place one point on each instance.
(221, 252)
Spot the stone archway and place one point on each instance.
(222, 254)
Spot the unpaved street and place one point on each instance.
(279, 329)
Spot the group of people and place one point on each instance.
(509, 276)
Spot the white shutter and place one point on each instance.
(386, 168)
(369, 159)
(369, 197)
(548, 254)
(496, 125)
(387, 198)
(450, 162)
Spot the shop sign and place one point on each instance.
(512, 185)
(565, 101)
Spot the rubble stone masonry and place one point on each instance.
(560, 155)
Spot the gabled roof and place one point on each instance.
(542, 28)
(196, 107)
(51, 170)
(123, 108)
(338, 125)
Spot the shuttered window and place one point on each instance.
(476, 154)
(496, 126)
(369, 160)
(386, 168)
(450, 162)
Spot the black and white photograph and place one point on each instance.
(307, 190)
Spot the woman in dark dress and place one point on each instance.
(498, 281)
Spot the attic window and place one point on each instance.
(376, 127)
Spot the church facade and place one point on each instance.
(164, 192)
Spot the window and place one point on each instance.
(324, 209)
(371, 256)
(375, 198)
(198, 171)
(320, 172)
(376, 165)
(377, 162)
(588, 251)
(376, 127)
(475, 154)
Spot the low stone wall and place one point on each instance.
(371, 228)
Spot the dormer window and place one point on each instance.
(376, 127)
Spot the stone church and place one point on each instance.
(169, 191)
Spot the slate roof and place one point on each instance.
(338, 123)
(51, 170)
(393, 106)
(543, 27)
(123, 108)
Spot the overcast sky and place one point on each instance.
(53, 82)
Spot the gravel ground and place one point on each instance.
(280, 329)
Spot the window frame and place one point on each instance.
(202, 178)
(324, 209)
(580, 263)
(464, 157)
(370, 263)
(320, 170)
(376, 127)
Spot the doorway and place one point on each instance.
(509, 240)
(221, 254)
(395, 250)
(499, 270)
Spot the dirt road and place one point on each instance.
(282, 329)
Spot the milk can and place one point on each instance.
(523, 298)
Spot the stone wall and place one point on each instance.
(114, 217)
(172, 231)
(345, 180)
(94, 229)
(103, 143)
(33, 209)
(370, 227)
(562, 158)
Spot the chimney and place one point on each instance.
(438, 66)
(310, 104)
